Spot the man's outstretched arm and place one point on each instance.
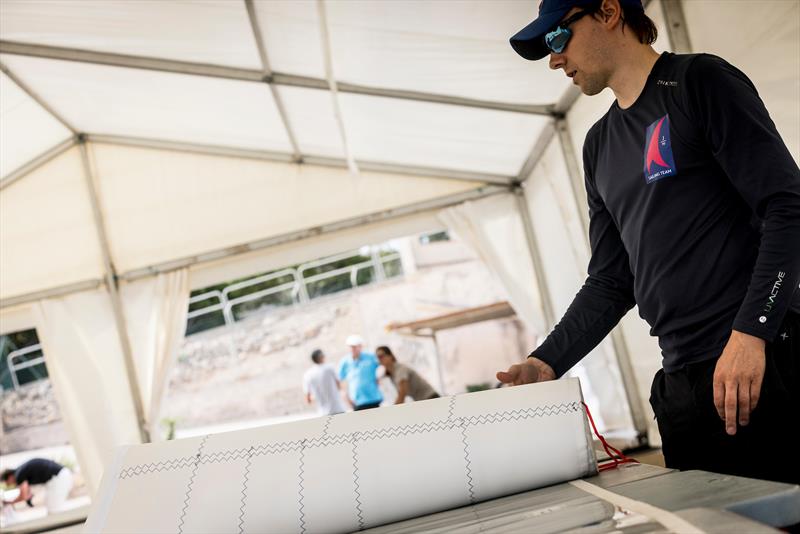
(604, 299)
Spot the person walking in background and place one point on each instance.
(56, 479)
(321, 385)
(405, 379)
(357, 371)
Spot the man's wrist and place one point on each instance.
(545, 371)
(748, 339)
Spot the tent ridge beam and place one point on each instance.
(267, 73)
(254, 75)
(264, 155)
(195, 148)
(129, 61)
(38, 161)
(403, 94)
(354, 222)
(53, 292)
(36, 98)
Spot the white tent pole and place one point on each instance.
(536, 259)
(37, 162)
(212, 150)
(52, 292)
(566, 101)
(676, 26)
(617, 337)
(327, 59)
(574, 172)
(113, 291)
(539, 147)
(40, 160)
(22, 85)
(354, 222)
(439, 366)
(252, 75)
(267, 72)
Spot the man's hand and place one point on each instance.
(737, 379)
(530, 371)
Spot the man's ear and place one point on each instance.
(610, 13)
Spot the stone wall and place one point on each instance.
(254, 369)
(30, 418)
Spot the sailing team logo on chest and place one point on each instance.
(658, 160)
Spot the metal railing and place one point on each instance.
(297, 288)
(13, 367)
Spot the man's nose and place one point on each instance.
(556, 60)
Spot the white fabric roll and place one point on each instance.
(351, 471)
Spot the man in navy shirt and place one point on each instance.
(56, 478)
(694, 205)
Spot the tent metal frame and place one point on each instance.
(678, 37)
(253, 75)
(267, 72)
(113, 292)
(236, 250)
(265, 155)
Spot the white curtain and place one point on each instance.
(85, 364)
(155, 312)
(493, 228)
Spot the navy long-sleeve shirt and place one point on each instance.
(694, 205)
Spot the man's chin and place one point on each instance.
(590, 90)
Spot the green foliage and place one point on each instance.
(286, 296)
(169, 423)
(69, 463)
(434, 237)
(471, 388)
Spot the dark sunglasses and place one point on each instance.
(556, 39)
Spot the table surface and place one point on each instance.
(712, 502)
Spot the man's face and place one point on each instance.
(355, 350)
(584, 59)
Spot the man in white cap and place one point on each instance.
(358, 373)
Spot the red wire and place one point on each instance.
(616, 457)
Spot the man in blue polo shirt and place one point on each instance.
(358, 373)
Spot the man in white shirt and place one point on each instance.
(321, 385)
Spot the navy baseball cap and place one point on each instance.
(529, 41)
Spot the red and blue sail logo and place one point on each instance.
(658, 160)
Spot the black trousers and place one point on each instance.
(367, 406)
(693, 435)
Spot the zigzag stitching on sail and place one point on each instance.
(344, 439)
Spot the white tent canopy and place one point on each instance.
(148, 149)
